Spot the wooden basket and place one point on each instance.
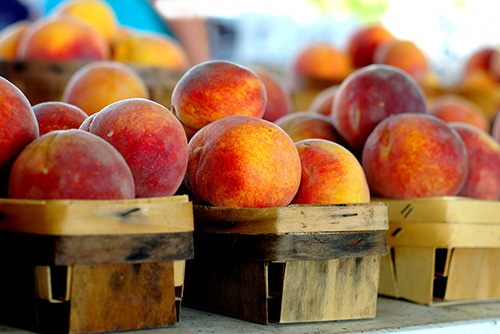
(442, 250)
(301, 263)
(83, 266)
(43, 81)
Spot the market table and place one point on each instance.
(393, 316)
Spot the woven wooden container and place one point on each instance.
(43, 81)
(442, 250)
(300, 263)
(80, 266)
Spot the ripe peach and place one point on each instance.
(9, 39)
(483, 152)
(242, 161)
(96, 13)
(152, 50)
(368, 96)
(70, 164)
(18, 127)
(97, 84)
(62, 39)
(455, 108)
(479, 59)
(302, 125)
(321, 61)
(57, 115)
(151, 140)
(362, 43)
(322, 103)
(414, 155)
(216, 89)
(403, 54)
(279, 101)
(331, 174)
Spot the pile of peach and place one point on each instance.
(230, 137)
(88, 30)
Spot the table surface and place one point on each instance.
(393, 316)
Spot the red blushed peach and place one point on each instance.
(331, 174)
(279, 101)
(321, 61)
(323, 102)
(480, 59)
(368, 96)
(70, 164)
(405, 55)
(18, 127)
(362, 43)
(483, 152)
(9, 39)
(151, 140)
(57, 115)
(414, 155)
(57, 39)
(100, 83)
(216, 89)
(302, 125)
(454, 108)
(242, 161)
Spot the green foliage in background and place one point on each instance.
(362, 11)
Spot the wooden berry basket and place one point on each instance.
(81, 266)
(442, 250)
(301, 263)
(43, 81)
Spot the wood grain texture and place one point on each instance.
(415, 273)
(473, 274)
(292, 219)
(328, 290)
(292, 246)
(233, 288)
(95, 249)
(96, 217)
(122, 297)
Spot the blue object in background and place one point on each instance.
(12, 11)
(137, 14)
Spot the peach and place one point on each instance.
(242, 161)
(479, 59)
(152, 50)
(322, 103)
(9, 39)
(96, 13)
(403, 54)
(18, 127)
(368, 96)
(57, 115)
(151, 140)
(279, 101)
(331, 174)
(70, 164)
(215, 89)
(189, 132)
(57, 39)
(483, 152)
(455, 108)
(322, 61)
(97, 84)
(302, 125)
(414, 155)
(362, 43)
